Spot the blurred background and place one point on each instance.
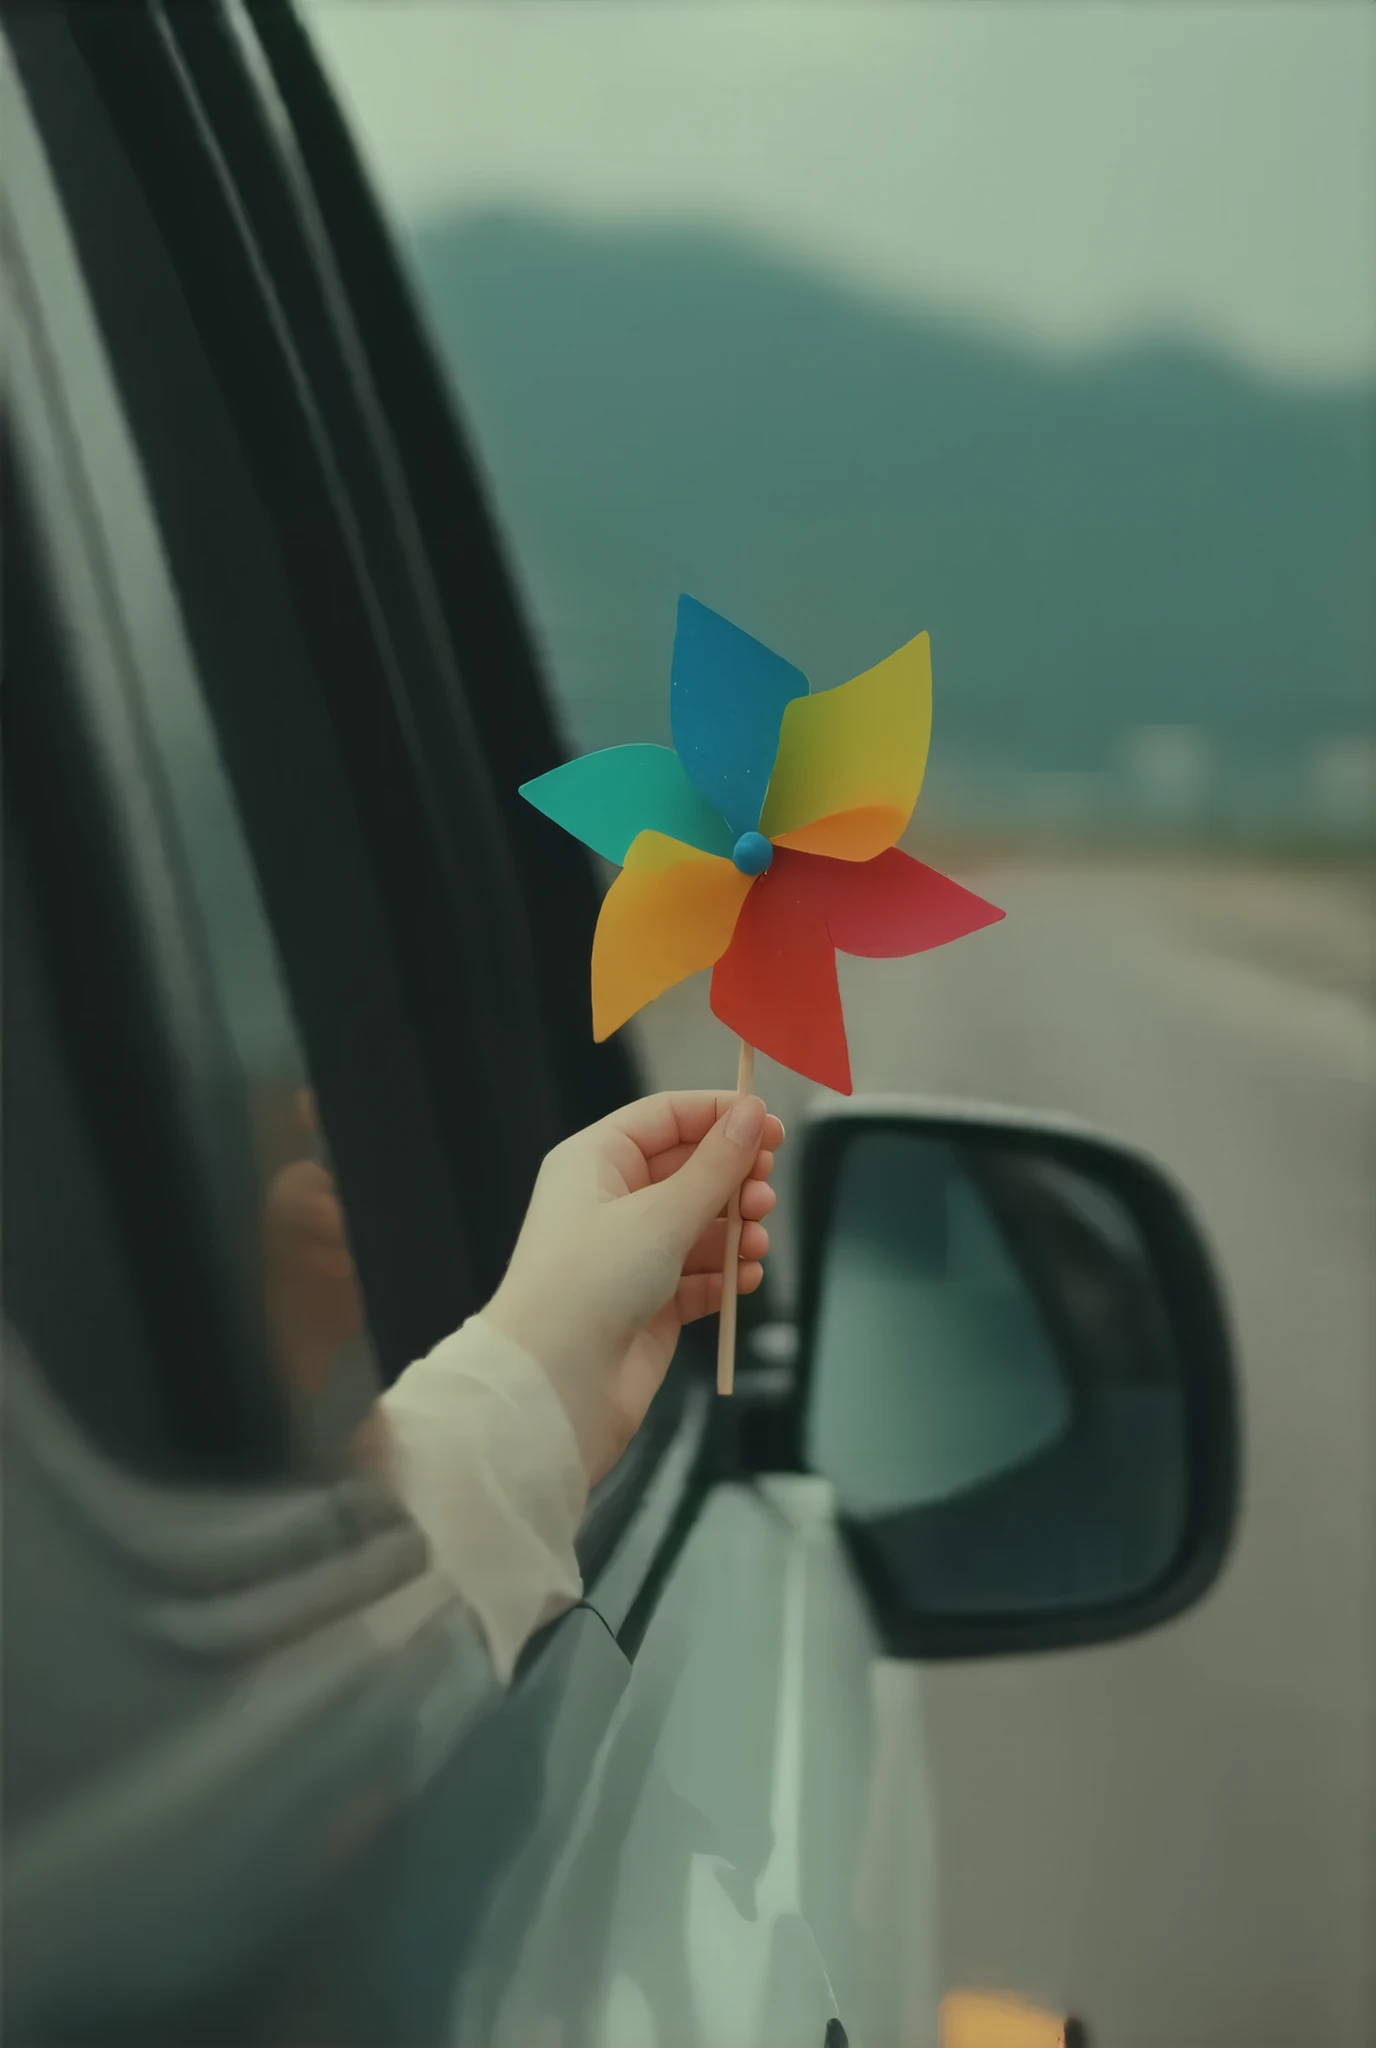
(1050, 329)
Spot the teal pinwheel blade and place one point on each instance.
(605, 799)
(726, 705)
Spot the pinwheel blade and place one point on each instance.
(850, 760)
(893, 905)
(670, 911)
(775, 984)
(606, 799)
(728, 696)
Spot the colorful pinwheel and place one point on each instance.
(762, 843)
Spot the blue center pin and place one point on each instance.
(752, 853)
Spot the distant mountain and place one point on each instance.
(1144, 536)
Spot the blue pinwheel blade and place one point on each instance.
(726, 705)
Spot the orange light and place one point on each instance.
(993, 2019)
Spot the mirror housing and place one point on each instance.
(1015, 1366)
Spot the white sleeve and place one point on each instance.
(485, 1458)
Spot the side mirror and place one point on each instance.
(1015, 1369)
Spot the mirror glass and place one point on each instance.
(995, 1393)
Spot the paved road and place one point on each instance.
(1176, 1837)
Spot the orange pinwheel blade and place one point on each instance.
(851, 760)
(849, 835)
(670, 911)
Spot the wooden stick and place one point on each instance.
(726, 1327)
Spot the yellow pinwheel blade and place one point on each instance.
(850, 760)
(670, 911)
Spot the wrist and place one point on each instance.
(540, 1321)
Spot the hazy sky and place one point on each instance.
(1079, 169)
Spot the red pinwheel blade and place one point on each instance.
(776, 982)
(775, 985)
(891, 905)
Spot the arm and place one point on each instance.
(494, 1438)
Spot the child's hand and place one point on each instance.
(623, 1243)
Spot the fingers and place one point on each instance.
(709, 1253)
(757, 1201)
(699, 1294)
(659, 1123)
(681, 1207)
(665, 1163)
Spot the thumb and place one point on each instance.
(705, 1183)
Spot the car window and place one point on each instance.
(86, 489)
